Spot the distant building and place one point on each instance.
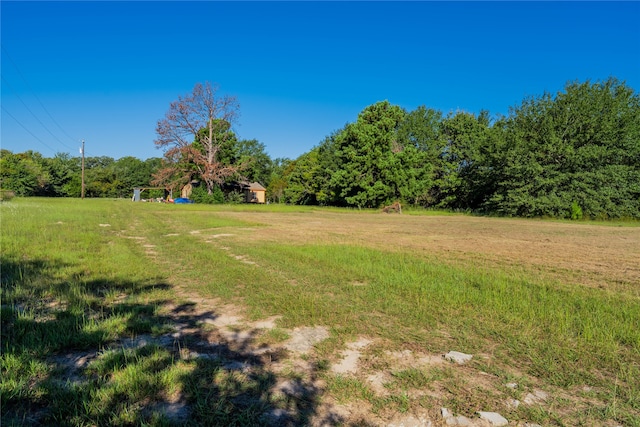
(255, 193)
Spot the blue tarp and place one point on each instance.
(182, 200)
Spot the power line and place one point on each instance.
(39, 101)
(24, 127)
(33, 114)
(34, 94)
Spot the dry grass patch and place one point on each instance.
(587, 254)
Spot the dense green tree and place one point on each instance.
(18, 174)
(420, 146)
(98, 162)
(578, 149)
(64, 171)
(277, 182)
(250, 159)
(367, 154)
(129, 172)
(151, 165)
(200, 195)
(100, 178)
(226, 138)
(26, 174)
(465, 177)
(31, 174)
(256, 162)
(328, 164)
(300, 175)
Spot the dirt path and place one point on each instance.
(209, 328)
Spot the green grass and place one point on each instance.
(417, 378)
(411, 294)
(80, 276)
(72, 285)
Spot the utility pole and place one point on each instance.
(82, 151)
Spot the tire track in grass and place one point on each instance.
(242, 336)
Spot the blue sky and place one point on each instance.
(106, 72)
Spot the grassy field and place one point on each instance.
(120, 313)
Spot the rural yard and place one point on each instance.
(118, 314)
(310, 227)
(591, 255)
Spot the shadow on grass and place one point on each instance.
(72, 356)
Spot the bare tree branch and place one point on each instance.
(203, 108)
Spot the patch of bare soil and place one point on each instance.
(350, 357)
(303, 339)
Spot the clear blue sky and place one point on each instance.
(107, 71)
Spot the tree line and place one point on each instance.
(31, 174)
(572, 154)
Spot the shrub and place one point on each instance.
(235, 197)
(200, 195)
(6, 195)
(576, 211)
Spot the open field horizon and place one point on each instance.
(216, 299)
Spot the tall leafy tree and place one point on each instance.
(366, 152)
(300, 175)
(420, 146)
(256, 163)
(329, 162)
(100, 177)
(277, 182)
(64, 171)
(465, 178)
(17, 175)
(250, 159)
(130, 172)
(575, 151)
(26, 174)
